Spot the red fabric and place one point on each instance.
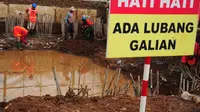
(89, 23)
(32, 15)
(193, 60)
(20, 32)
(184, 59)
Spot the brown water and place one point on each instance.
(30, 73)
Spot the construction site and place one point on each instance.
(59, 72)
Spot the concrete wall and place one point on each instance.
(13, 10)
(61, 13)
(57, 12)
(3, 10)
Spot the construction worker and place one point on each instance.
(32, 15)
(20, 33)
(88, 28)
(69, 23)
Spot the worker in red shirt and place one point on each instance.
(32, 15)
(20, 33)
(88, 28)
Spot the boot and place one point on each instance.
(18, 45)
(30, 32)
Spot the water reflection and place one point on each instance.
(30, 73)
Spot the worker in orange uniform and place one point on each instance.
(20, 33)
(32, 15)
(88, 28)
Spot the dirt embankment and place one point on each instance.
(95, 104)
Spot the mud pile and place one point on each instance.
(95, 104)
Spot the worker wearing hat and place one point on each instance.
(69, 23)
(32, 14)
(88, 29)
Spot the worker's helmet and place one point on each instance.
(34, 5)
(72, 8)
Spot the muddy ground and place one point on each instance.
(95, 104)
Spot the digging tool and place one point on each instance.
(56, 81)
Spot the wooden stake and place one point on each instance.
(108, 90)
(57, 83)
(193, 81)
(181, 81)
(188, 85)
(158, 82)
(134, 85)
(79, 76)
(117, 81)
(139, 86)
(4, 86)
(151, 82)
(183, 84)
(104, 84)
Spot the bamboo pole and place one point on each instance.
(195, 83)
(151, 82)
(79, 77)
(57, 83)
(188, 85)
(183, 84)
(117, 81)
(5, 86)
(158, 82)
(181, 81)
(113, 77)
(139, 86)
(104, 84)
(126, 88)
(134, 85)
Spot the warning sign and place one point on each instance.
(140, 28)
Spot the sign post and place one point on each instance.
(145, 84)
(151, 28)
